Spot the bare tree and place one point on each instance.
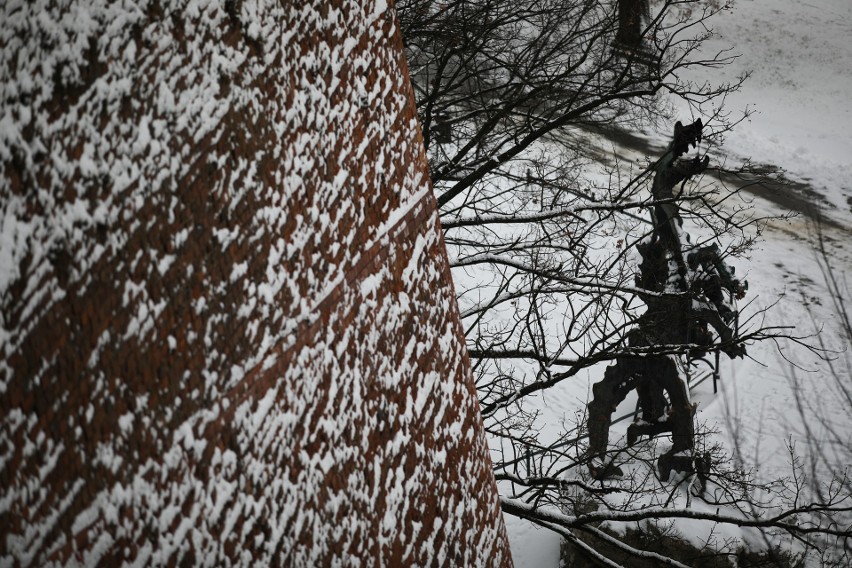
(542, 222)
(630, 18)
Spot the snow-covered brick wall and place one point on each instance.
(229, 334)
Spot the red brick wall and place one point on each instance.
(229, 333)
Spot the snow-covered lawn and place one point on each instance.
(800, 56)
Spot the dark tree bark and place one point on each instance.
(630, 21)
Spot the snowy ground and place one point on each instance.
(800, 54)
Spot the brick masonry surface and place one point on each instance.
(229, 333)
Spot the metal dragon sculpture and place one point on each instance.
(688, 291)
